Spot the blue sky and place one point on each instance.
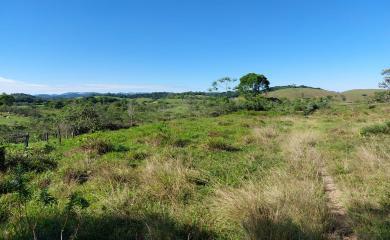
(53, 46)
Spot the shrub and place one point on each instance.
(310, 108)
(162, 137)
(78, 176)
(220, 144)
(383, 128)
(136, 157)
(181, 142)
(257, 103)
(382, 97)
(31, 160)
(97, 146)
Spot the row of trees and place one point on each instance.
(253, 83)
(250, 84)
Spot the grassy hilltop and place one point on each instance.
(355, 95)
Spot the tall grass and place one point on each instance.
(288, 204)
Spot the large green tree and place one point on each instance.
(253, 83)
(386, 81)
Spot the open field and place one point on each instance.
(360, 94)
(356, 95)
(243, 175)
(296, 93)
(12, 119)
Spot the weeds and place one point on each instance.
(375, 129)
(96, 146)
(219, 144)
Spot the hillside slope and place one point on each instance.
(293, 93)
(359, 94)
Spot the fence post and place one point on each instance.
(26, 140)
(59, 136)
(2, 158)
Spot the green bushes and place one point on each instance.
(36, 160)
(309, 106)
(382, 97)
(375, 129)
(97, 146)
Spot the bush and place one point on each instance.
(181, 142)
(32, 160)
(136, 157)
(97, 146)
(220, 145)
(382, 97)
(376, 129)
(257, 103)
(79, 176)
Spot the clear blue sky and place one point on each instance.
(144, 45)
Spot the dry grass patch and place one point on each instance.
(273, 209)
(261, 135)
(167, 180)
(288, 204)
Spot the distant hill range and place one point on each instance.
(288, 91)
(68, 95)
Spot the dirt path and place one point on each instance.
(341, 225)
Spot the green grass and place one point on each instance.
(359, 94)
(295, 93)
(356, 95)
(236, 176)
(12, 120)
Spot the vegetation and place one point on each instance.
(386, 81)
(221, 165)
(253, 83)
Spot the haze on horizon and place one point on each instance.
(142, 46)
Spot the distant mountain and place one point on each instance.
(68, 95)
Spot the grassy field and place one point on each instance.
(360, 94)
(246, 175)
(356, 95)
(295, 93)
(12, 119)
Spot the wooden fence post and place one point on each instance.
(2, 158)
(26, 140)
(59, 136)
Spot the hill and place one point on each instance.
(293, 93)
(359, 94)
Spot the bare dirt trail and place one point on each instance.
(341, 223)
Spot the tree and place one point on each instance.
(81, 119)
(386, 80)
(223, 83)
(6, 99)
(131, 112)
(253, 83)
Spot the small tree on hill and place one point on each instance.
(253, 84)
(222, 84)
(386, 81)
